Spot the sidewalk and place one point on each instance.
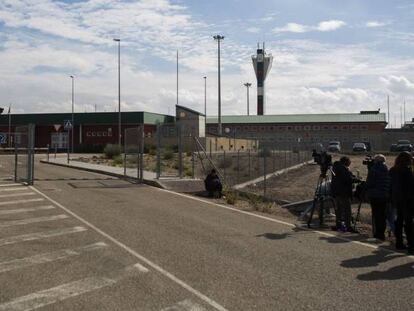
(97, 168)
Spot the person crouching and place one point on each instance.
(213, 184)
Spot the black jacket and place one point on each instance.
(378, 181)
(342, 180)
(402, 186)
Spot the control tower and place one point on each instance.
(262, 64)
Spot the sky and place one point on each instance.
(329, 56)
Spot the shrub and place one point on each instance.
(231, 197)
(112, 151)
(168, 154)
(117, 160)
(152, 152)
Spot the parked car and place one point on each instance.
(334, 146)
(404, 145)
(359, 147)
(368, 145)
(393, 147)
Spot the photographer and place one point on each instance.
(378, 193)
(402, 187)
(341, 185)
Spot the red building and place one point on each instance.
(91, 130)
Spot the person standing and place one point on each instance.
(378, 187)
(402, 188)
(341, 186)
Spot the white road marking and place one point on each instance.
(55, 294)
(21, 201)
(48, 257)
(172, 277)
(11, 185)
(185, 305)
(280, 222)
(27, 221)
(141, 268)
(40, 235)
(13, 189)
(10, 195)
(25, 210)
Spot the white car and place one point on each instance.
(359, 147)
(334, 146)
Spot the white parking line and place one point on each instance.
(10, 195)
(13, 189)
(40, 235)
(25, 210)
(11, 185)
(21, 201)
(167, 274)
(55, 294)
(27, 221)
(48, 257)
(185, 305)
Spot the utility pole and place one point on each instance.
(177, 77)
(9, 136)
(248, 85)
(218, 38)
(205, 104)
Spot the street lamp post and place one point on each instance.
(248, 85)
(73, 110)
(205, 104)
(218, 38)
(119, 91)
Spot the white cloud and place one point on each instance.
(375, 24)
(330, 25)
(398, 84)
(323, 26)
(292, 27)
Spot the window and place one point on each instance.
(316, 128)
(364, 127)
(289, 128)
(307, 128)
(298, 128)
(354, 127)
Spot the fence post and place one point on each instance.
(273, 155)
(141, 152)
(238, 165)
(211, 147)
(264, 172)
(125, 151)
(224, 164)
(249, 165)
(180, 153)
(158, 170)
(67, 144)
(193, 164)
(15, 163)
(55, 151)
(47, 152)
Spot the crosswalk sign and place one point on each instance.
(67, 124)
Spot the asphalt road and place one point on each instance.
(98, 243)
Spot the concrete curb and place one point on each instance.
(149, 182)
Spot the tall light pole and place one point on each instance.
(73, 109)
(119, 91)
(205, 104)
(218, 38)
(9, 136)
(248, 85)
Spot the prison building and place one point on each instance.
(348, 128)
(92, 130)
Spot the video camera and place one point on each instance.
(368, 162)
(323, 159)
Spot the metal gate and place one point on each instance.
(134, 152)
(24, 137)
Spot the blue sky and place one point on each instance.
(329, 56)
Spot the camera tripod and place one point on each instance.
(322, 194)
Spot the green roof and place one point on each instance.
(302, 118)
(128, 117)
